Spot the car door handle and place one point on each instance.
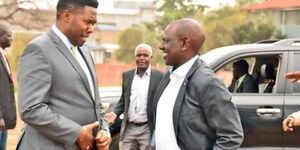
(263, 111)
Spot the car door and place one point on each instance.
(261, 113)
(292, 102)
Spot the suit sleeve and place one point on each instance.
(222, 116)
(35, 77)
(296, 115)
(119, 109)
(2, 91)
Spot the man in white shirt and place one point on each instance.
(7, 98)
(192, 106)
(58, 97)
(138, 88)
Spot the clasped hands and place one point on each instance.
(86, 139)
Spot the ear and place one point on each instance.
(67, 16)
(186, 43)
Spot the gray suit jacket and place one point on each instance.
(123, 105)
(7, 98)
(55, 100)
(204, 117)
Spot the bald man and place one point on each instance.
(193, 108)
(138, 88)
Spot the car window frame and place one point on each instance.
(281, 67)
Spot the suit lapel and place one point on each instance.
(90, 64)
(66, 52)
(151, 84)
(129, 78)
(180, 96)
(163, 84)
(4, 66)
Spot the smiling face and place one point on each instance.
(171, 46)
(79, 24)
(142, 58)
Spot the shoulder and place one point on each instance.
(156, 72)
(128, 73)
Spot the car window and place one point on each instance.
(259, 78)
(296, 87)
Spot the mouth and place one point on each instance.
(84, 37)
(165, 55)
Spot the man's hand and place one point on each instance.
(2, 125)
(295, 76)
(288, 123)
(86, 139)
(111, 117)
(103, 140)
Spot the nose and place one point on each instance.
(161, 46)
(90, 28)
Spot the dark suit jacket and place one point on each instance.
(123, 105)
(204, 117)
(55, 100)
(248, 85)
(7, 98)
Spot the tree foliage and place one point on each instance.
(20, 40)
(133, 36)
(250, 32)
(177, 9)
(230, 25)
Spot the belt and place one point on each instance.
(139, 124)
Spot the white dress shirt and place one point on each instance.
(80, 60)
(164, 130)
(138, 97)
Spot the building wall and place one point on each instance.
(288, 21)
(111, 74)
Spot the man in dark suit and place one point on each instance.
(193, 108)
(58, 97)
(7, 98)
(138, 88)
(242, 81)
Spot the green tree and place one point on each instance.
(250, 32)
(20, 40)
(177, 9)
(133, 36)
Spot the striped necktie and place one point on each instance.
(85, 68)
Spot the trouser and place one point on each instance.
(3, 139)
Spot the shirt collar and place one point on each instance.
(2, 51)
(148, 71)
(183, 69)
(65, 40)
(240, 80)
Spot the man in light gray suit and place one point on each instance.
(138, 88)
(58, 97)
(7, 98)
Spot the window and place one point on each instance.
(259, 78)
(296, 87)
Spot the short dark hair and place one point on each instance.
(74, 4)
(241, 65)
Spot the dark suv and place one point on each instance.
(262, 113)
